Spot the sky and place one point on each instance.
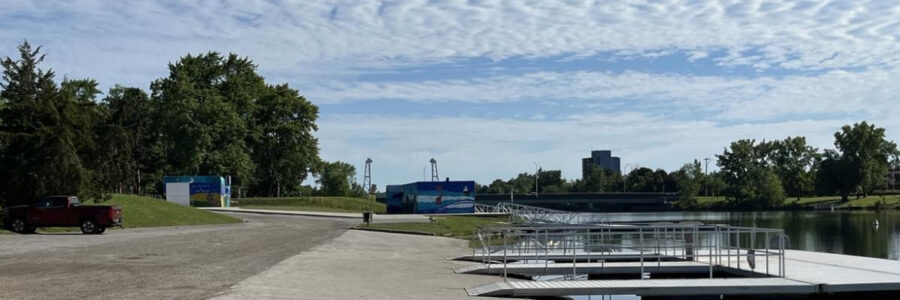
(489, 88)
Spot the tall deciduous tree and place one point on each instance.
(285, 150)
(795, 163)
(861, 161)
(127, 140)
(204, 110)
(750, 179)
(336, 179)
(689, 178)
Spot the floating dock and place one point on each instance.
(808, 273)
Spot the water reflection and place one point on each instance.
(843, 232)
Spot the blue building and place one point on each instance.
(431, 197)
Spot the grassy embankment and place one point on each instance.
(323, 204)
(870, 202)
(140, 211)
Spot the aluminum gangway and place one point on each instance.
(524, 214)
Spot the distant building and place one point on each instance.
(431, 197)
(603, 159)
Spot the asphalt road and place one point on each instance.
(190, 262)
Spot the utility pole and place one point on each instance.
(537, 174)
(706, 172)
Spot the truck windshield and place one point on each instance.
(74, 201)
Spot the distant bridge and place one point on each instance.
(600, 202)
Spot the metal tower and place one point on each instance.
(367, 179)
(434, 170)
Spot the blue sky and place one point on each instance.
(488, 87)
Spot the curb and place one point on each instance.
(285, 213)
(394, 231)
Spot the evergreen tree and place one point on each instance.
(46, 131)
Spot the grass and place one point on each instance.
(140, 211)
(325, 204)
(450, 226)
(872, 201)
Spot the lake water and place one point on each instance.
(844, 232)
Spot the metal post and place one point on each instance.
(658, 256)
(641, 249)
(709, 242)
(767, 252)
(503, 235)
(546, 251)
(488, 257)
(781, 245)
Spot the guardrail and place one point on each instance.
(734, 249)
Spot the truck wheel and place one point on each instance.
(88, 227)
(21, 227)
(100, 230)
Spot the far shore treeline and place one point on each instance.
(752, 174)
(212, 115)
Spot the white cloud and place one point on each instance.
(307, 38)
(866, 94)
(484, 149)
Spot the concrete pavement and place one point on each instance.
(185, 262)
(377, 218)
(370, 265)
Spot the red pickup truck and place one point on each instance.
(63, 211)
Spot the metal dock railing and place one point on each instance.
(734, 250)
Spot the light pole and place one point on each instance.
(537, 175)
(706, 173)
(625, 179)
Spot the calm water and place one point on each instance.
(844, 232)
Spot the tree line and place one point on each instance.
(212, 115)
(751, 174)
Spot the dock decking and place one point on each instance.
(806, 272)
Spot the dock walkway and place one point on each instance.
(806, 273)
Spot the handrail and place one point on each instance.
(720, 246)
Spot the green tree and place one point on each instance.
(285, 150)
(126, 140)
(795, 164)
(689, 179)
(204, 110)
(647, 180)
(498, 186)
(598, 180)
(46, 131)
(337, 179)
(748, 175)
(861, 161)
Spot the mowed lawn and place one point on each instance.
(872, 201)
(138, 211)
(324, 204)
(449, 226)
